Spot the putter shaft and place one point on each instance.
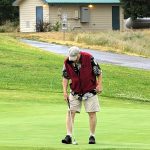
(74, 141)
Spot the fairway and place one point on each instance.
(32, 108)
(37, 123)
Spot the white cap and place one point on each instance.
(73, 53)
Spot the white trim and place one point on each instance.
(16, 3)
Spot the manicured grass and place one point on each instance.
(122, 82)
(27, 68)
(32, 109)
(31, 120)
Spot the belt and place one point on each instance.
(84, 96)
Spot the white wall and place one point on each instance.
(28, 14)
(100, 16)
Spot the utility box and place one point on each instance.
(85, 14)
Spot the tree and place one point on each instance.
(136, 8)
(8, 12)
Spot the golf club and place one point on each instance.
(74, 141)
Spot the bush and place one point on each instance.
(9, 26)
(43, 27)
(57, 26)
(47, 27)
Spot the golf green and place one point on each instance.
(40, 124)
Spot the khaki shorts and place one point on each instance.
(91, 104)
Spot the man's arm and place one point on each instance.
(99, 87)
(98, 73)
(65, 87)
(65, 82)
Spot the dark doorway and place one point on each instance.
(39, 17)
(115, 18)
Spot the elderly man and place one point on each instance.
(85, 78)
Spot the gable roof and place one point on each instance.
(17, 2)
(83, 1)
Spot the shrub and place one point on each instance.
(56, 26)
(10, 27)
(47, 27)
(43, 27)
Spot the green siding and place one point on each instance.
(84, 1)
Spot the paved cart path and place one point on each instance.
(100, 56)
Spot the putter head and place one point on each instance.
(75, 143)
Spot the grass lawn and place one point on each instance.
(31, 121)
(32, 109)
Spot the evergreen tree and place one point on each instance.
(136, 8)
(8, 12)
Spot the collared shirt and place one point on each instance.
(96, 68)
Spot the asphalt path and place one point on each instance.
(100, 56)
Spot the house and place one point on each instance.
(72, 14)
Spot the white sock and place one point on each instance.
(92, 134)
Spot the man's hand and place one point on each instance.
(66, 96)
(99, 89)
(65, 85)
